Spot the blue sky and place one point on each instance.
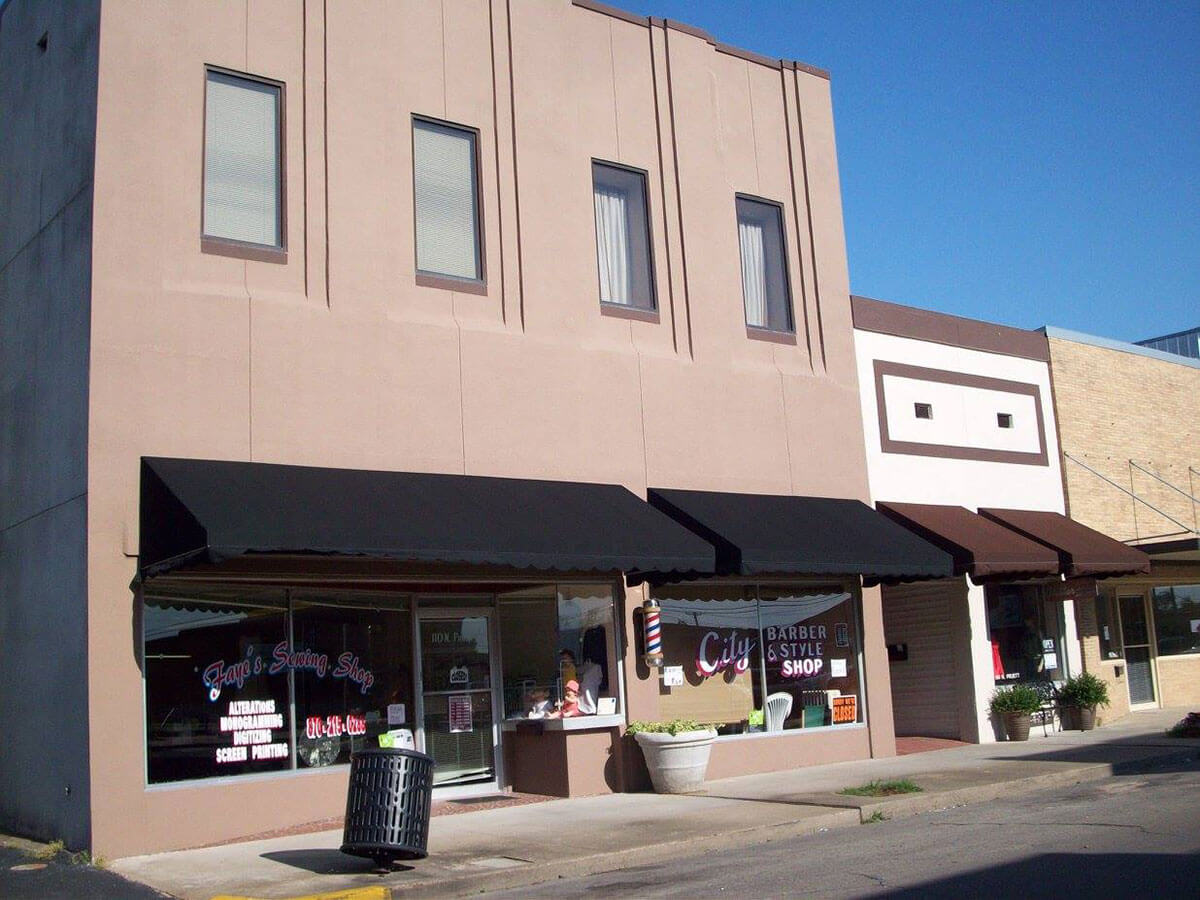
(1025, 163)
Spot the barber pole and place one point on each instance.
(653, 628)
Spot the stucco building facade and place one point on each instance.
(285, 265)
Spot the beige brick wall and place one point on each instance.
(1112, 407)
(1106, 670)
(1179, 680)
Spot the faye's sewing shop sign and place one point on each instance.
(218, 675)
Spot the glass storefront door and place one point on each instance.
(457, 696)
(1136, 630)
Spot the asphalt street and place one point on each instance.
(1128, 835)
(24, 877)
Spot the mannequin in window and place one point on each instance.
(590, 676)
(566, 666)
(569, 706)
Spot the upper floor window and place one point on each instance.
(622, 236)
(764, 266)
(446, 200)
(243, 162)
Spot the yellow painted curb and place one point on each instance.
(367, 893)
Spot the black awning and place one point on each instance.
(758, 534)
(209, 511)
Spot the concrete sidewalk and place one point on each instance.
(510, 847)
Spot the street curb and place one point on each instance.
(891, 808)
(537, 873)
(916, 804)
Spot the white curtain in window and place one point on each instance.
(444, 193)
(754, 273)
(612, 245)
(241, 160)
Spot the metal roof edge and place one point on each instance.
(1079, 337)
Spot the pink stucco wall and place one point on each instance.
(338, 358)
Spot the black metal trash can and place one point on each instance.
(387, 805)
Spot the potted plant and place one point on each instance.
(1082, 695)
(676, 753)
(1014, 705)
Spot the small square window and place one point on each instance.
(1004, 420)
(923, 410)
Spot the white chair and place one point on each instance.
(778, 708)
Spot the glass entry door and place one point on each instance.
(457, 696)
(1137, 650)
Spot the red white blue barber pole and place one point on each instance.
(653, 629)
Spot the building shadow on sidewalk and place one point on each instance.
(1129, 753)
(1063, 875)
(322, 861)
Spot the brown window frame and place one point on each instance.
(436, 279)
(248, 250)
(628, 310)
(785, 335)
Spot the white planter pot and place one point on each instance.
(677, 762)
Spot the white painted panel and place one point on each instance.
(908, 478)
(962, 416)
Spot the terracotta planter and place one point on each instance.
(1087, 718)
(1069, 716)
(677, 762)
(1016, 726)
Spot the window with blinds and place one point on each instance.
(243, 187)
(446, 198)
(622, 236)
(764, 266)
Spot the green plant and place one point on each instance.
(49, 851)
(1020, 698)
(1085, 691)
(675, 726)
(1188, 726)
(85, 858)
(883, 788)
(875, 818)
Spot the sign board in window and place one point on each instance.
(458, 713)
(845, 709)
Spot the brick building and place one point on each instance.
(1129, 425)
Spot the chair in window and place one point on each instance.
(778, 708)
(818, 707)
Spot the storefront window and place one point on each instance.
(1177, 619)
(214, 707)
(225, 668)
(764, 660)
(712, 633)
(1107, 627)
(552, 635)
(811, 650)
(353, 681)
(1026, 634)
